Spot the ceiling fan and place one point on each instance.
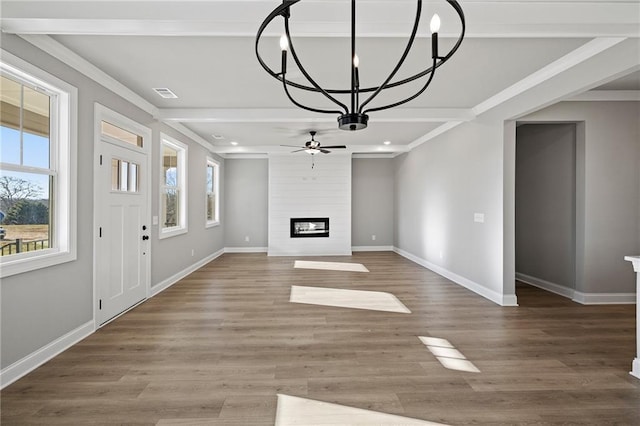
(313, 146)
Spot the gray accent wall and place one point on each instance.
(372, 201)
(608, 190)
(545, 202)
(170, 256)
(439, 187)
(39, 307)
(246, 202)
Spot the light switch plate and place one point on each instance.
(478, 217)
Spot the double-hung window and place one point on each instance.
(213, 193)
(37, 168)
(173, 187)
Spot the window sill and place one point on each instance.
(172, 232)
(32, 263)
(212, 224)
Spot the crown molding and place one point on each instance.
(62, 53)
(607, 96)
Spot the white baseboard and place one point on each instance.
(604, 298)
(245, 249)
(165, 284)
(35, 359)
(372, 248)
(577, 296)
(546, 285)
(502, 300)
(299, 254)
(635, 368)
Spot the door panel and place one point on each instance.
(121, 252)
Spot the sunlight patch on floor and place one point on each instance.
(448, 355)
(293, 410)
(355, 299)
(331, 266)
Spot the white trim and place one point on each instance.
(570, 60)
(246, 249)
(64, 162)
(435, 132)
(35, 359)
(372, 248)
(297, 115)
(546, 285)
(297, 253)
(183, 184)
(240, 156)
(215, 165)
(75, 61)
(605, 298)
(102, 113)
(188, 133)
(500, 299)
(607, 96)
(165, 284)
(635, 368)
(377, 156)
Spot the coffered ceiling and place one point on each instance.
(204, 52)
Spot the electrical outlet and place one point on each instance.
(246, 238)
(193, 252)
(478, 217)
(373, 238)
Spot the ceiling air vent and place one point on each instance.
(165, 93)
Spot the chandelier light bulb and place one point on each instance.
(284, 43)
(356, 61)
(435, 23)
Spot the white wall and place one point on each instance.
(297, 190)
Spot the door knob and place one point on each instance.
(145, 237)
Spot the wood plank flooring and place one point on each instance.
(217, 347)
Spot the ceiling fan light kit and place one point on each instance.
(355, 116)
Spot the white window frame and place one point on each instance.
(183, 151)
(63, 148)
(216, 192)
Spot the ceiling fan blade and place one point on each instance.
(324, 151)
(298, 150)
(292, 146)
(335, 147)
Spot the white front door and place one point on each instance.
(122, 243)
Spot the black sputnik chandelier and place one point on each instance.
(355, 116)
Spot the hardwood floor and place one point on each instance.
(219, 345)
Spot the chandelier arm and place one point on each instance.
(412, 38)
(410, 98)
(278, 11)
(305, 73)
(299, 105)
(443, 59)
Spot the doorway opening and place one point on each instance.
(546, 215)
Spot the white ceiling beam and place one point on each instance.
(231, 151)
(607, 96)
(187, 28)
(485, 18)
(579, 55)
(294, 115)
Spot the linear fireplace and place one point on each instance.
(309, 227)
